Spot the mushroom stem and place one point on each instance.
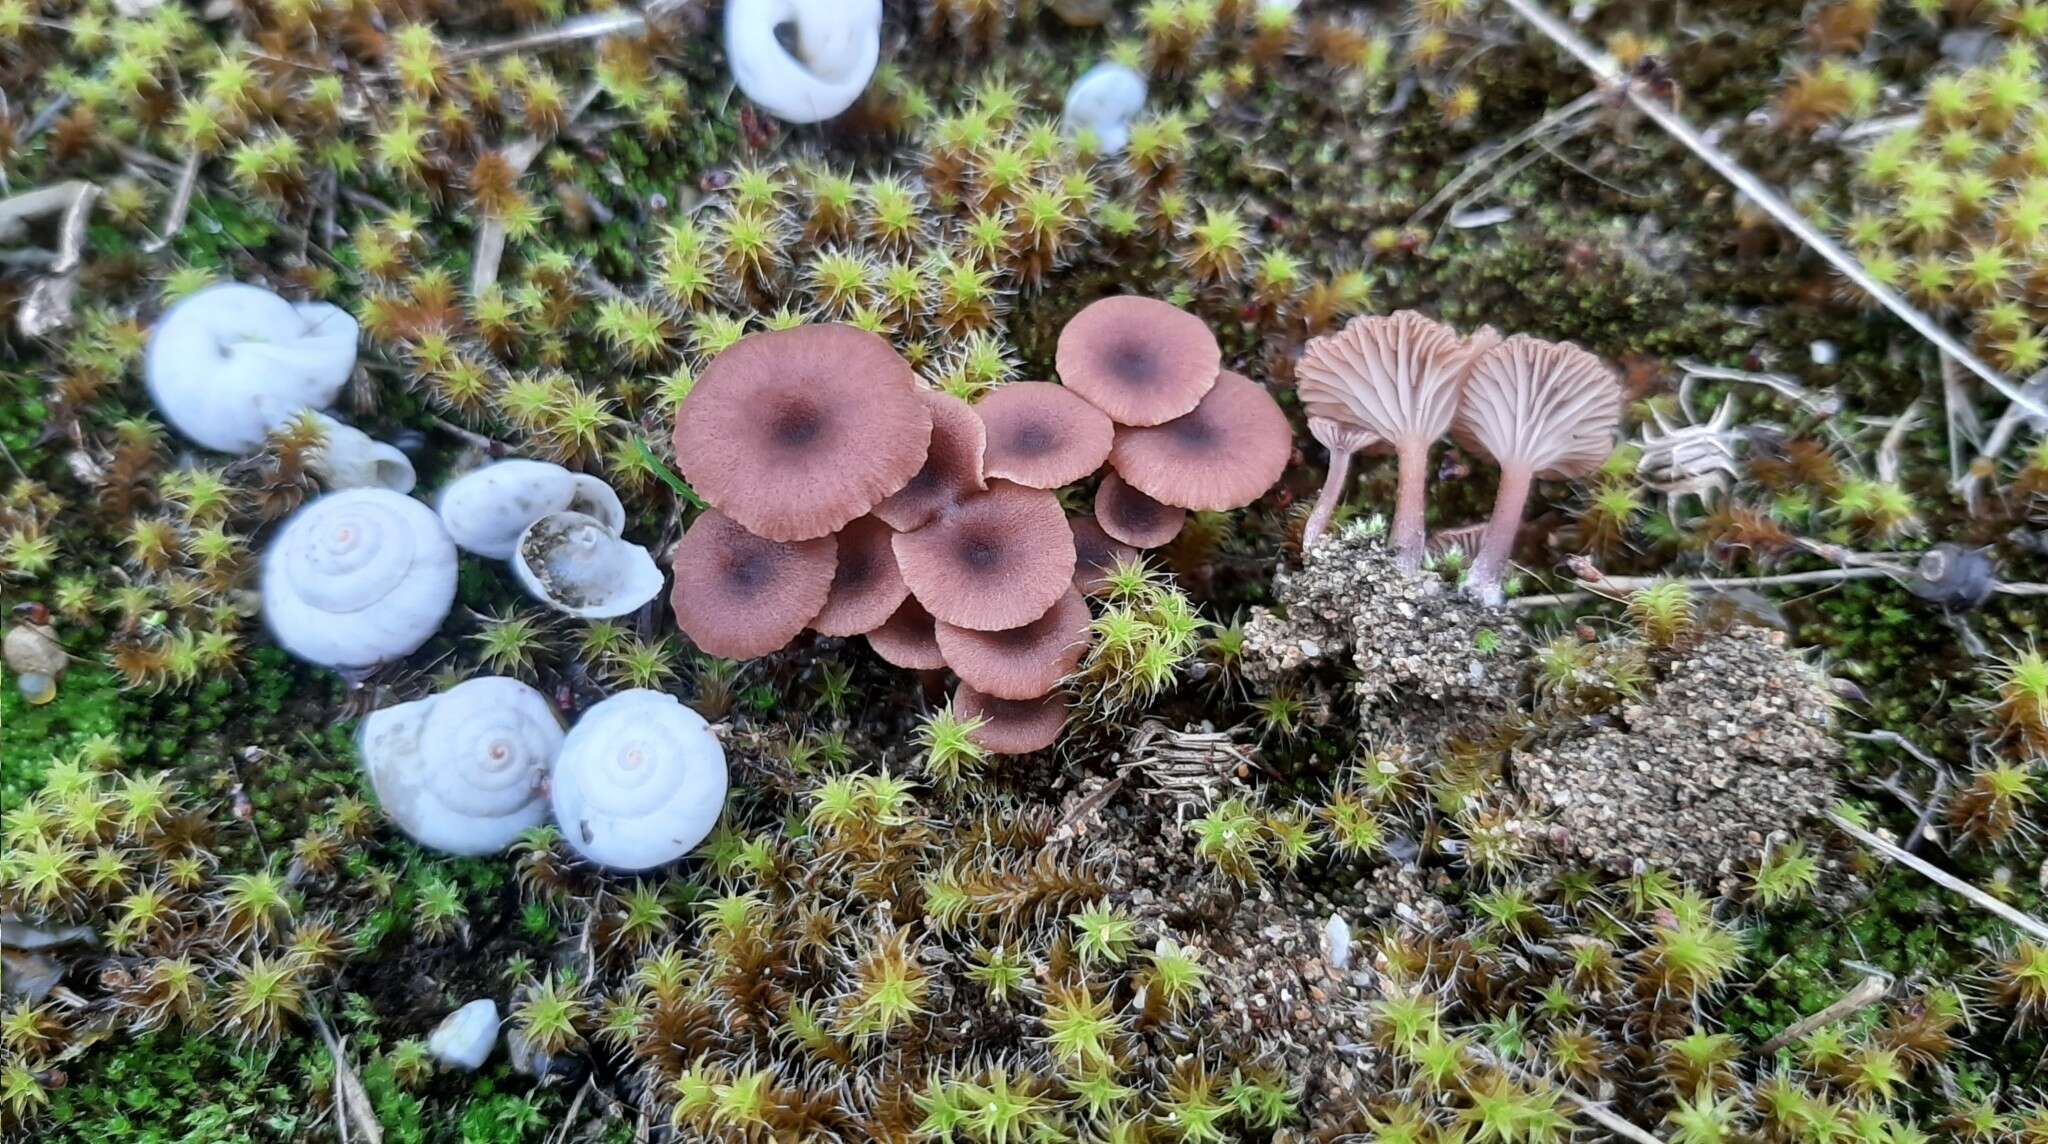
(1410, 539)
(1497, 543)
(1327, 500)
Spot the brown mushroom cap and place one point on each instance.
(1223, 455)
(1096, 554)
(996, 560)
(907, 639)
(1139, 360)
(1043, 435)
(1022, 662)
(866, 588)
(1133, 518)
(1011, 726)
(738, 595)
(952, 468)
(792, 433)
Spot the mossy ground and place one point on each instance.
(1619, 242)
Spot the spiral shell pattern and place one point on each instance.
(463, 771)
(639, 782)
(357, 578)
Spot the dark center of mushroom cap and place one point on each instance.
(748, 569)
(981, 551)
(1033, 439)
(1193, 430)
(1132, 361)
(797, 423)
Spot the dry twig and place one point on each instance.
(1940, 877)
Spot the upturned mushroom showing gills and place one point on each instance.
(358, 578)
(830, 53)
(739, 595)
(1541, 410)
(1140, 360)
(1398, 377)
(1223, 454)
(463, 771)
(576, 565)
(228, 364)
(1043, 435)
(998, 560)
(639, 781)
(793, 433)
(486, 509)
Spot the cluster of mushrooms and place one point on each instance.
(849, 500)
(1541, 410)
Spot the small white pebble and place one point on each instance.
(1337, 943)
(1823, 352)
(464, 1039)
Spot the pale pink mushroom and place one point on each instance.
(907, 639)
(1140, 360)
(1043, 435)
(1096, 554)
(1397, 377)
(952, 466)
(738, 595)
(996, 560)
(1222, 454)
(1541, 410)
(866, 587)
(1343, 440)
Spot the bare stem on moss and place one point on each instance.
(1940, 877)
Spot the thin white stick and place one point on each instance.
(589, 26)
(1941, 877)
(1610, 74)
(1867, 992)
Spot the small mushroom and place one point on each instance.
(1096, 554)
(640, 781)
(1541, 410)
(803, 60)
(575, 564)
(1103, 101)
(866, 587)
(1133, 518)
(1139, 360)
(1223, 454)
(997, 560)
(1022, 662)
(1343, 440)
(909, 639)
(232, 362)
(1043, 435)
(32, 652)
(462, 771)
(739, 595)
(358, 578)
(1397, 377)
(793, 433)
(487, 509)
(952, 467)
(1011, 726)
(347, 458)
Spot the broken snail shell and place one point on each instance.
(486, 510)
(227, 365)
(574, 564)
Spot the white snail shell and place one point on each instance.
(574, 564)
(838, 43)
(486, 510)
(357, 578)
(462, 771)
(349, 459)
(230, 363)
(639, 782)
(1104, 100)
